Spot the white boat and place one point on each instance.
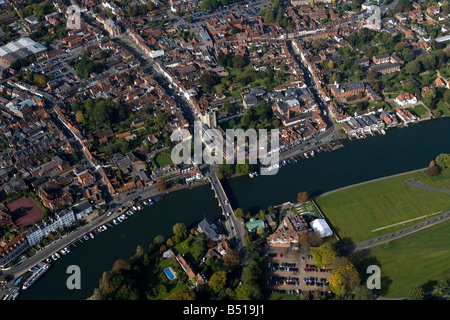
(57, 255)
(382, 131)
(115, 222)
(67, 249)
(54, 257)
(62, 252)
(36, 275)
(91, 235)
(139, 207)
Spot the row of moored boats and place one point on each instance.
(38, 270)
(274, 166)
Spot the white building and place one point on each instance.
(62, 219)
(321, 227)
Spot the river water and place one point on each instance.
(400, 150)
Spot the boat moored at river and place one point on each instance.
(42, 268)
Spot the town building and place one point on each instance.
(288, 231)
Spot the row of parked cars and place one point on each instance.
(282, 291)
(314, 268)
(286, 281)
(314, 281)
(282, 267)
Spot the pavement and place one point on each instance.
(421, 185)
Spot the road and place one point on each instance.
(236, 229)
(332, 133)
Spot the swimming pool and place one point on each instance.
(169, 273)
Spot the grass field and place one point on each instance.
(356, 211)
(420, 111)
(163, 159)
(419, 259)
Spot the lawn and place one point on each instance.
(191, 252)
(420, 111)
(443, 109)
(356, 211)
(163, 159)
(441, 181)
(419, 259)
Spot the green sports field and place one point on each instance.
(355, 212)
(420, 259)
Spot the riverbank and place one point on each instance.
(400, 150)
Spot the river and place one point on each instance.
(400, 150)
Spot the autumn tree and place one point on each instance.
(324, 255)
(218, 280)
(231, 258)
(433, 169)
(161, 185)
(79, 116)
(306, 240)
(344, 280)
(302, 197)
(183, 294)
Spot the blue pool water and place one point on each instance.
(169, 273)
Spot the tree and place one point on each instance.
(268, 16)
(207, 81)
(428, 98)
(150, 5)
(433, 169)
(362, 293)
(416, 294)
(443, 160)
(302, 197)
(248, 291)
(190, 19)
(179, 230)
(413, 67)
(161, 185)
(324, 255)
(344, 280)
(231, 258)
(182, 294)
(442, 287)
(218, 280)
(238, 61)
(139, 252)
(79, 117)
(306, 240)
(447, 94)
(158, 240)
(209, 4)
(239, 213)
